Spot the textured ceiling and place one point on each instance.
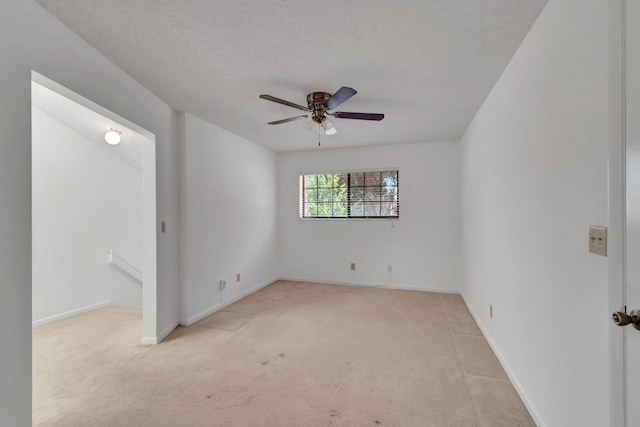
(89, 124)
(426, 64)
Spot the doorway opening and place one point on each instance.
(93, 210)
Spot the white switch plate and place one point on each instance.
(598, 240)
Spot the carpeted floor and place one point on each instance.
(292, 354)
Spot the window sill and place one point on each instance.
(352, 219)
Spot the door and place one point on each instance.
(624, 211)
(632, 257)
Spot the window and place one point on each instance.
(350, 195)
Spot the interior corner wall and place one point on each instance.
(62, 56)
(422, 246)
(534, 164)
(228, 216)
(85, 202)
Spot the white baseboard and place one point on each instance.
(149, 341)
(208, 312)
(70, 313)
(516, 384)
(160, 337)
(416, 288)
(371, 285)
(165, 333)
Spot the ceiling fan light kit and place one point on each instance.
(319, 106)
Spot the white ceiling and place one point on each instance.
(426, 64)
(89, 124)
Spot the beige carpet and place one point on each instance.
(292, 354)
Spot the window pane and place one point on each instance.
(325, 209)
(339, 193)
(311, 209)
(340, 208)
(389, 195)
(325, 180)
(372, 179)
(310, 181)
(357, 194)
(372, 194)
(357, 179)
(388, 209)
(372, 209)
(390, 178)
(324, 194)
(357, 209)
(311, 195)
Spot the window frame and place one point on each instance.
(302, 202)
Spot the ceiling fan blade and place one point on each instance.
(340, 96)
(290, 119)
(358, 116)
(283, 102)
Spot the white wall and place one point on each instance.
(423, 245)
(15, 216)
(534, 179)
(228, 216)
(85, 201)
(30, 38)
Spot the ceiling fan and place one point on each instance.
(319, 106)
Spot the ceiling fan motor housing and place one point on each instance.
(317, 104)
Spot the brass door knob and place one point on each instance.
(620, 318)
(624, 319)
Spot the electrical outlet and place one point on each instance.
(598, 240)
(223, 285)
(490, 311)
(238, 277)
(389, 268)
(353, 266)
